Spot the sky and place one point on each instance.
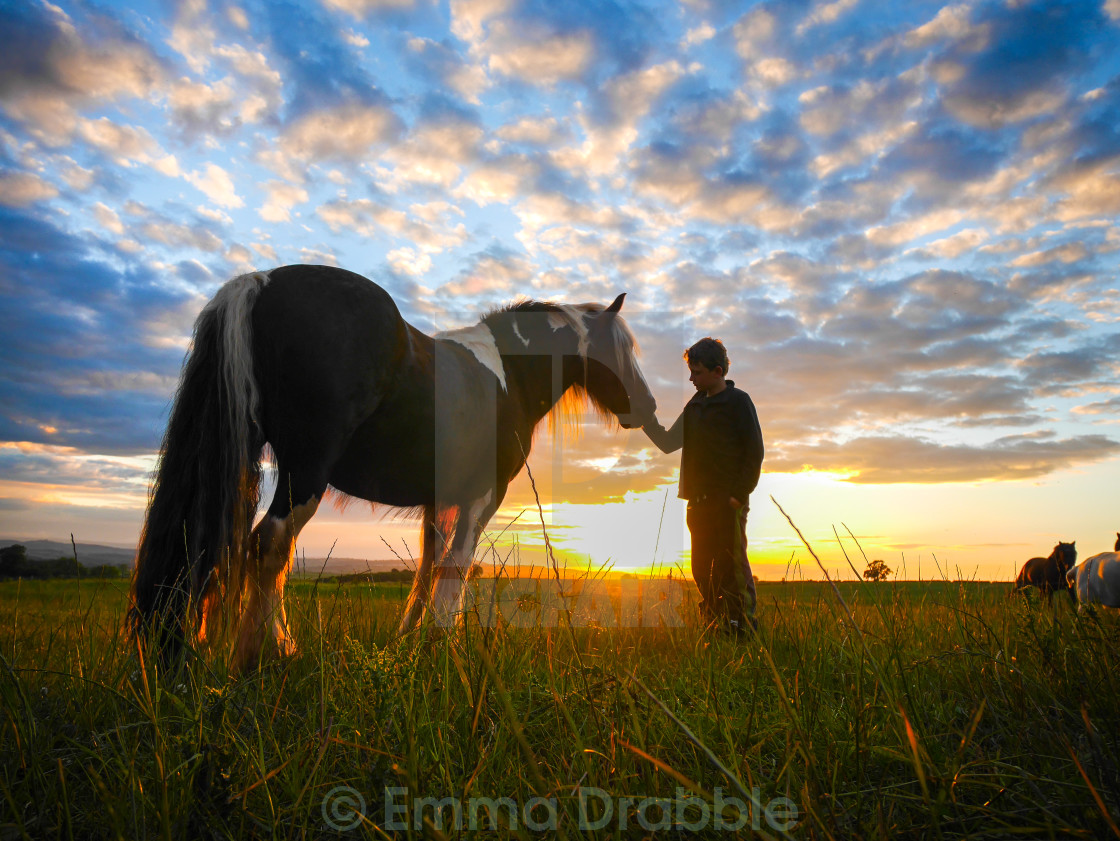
(901, 219)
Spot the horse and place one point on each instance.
(1049, 574)
(316, 364)
(1096, 580)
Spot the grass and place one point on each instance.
(879, 710)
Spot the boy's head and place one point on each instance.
(710, 353)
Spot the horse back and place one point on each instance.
(1098, 579)
(327, 345)
(1034, 573)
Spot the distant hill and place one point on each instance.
(92, 554)
(89, 554)
(338, 566)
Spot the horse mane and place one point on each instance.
(567, 414)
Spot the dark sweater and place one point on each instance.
(722, 444)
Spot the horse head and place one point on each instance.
(1065, 554)
(612, 376)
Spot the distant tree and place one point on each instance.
(63, 566)
(13, 561)
(876, 571)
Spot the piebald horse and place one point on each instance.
(1049, 574)
(317, 363)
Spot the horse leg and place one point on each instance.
(452, 571)
(264, 621)
(433, 542)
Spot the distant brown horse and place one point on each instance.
(1049, 574)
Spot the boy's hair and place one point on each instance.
(710, 353)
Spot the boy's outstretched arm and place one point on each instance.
(667, 440)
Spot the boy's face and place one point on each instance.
(702, 377)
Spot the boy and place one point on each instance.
(720, 465)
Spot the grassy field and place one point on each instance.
(884, 711)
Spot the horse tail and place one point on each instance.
(206, 486)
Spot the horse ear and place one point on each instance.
(617, 305)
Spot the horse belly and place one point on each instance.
(1034, 574)
(389, 460)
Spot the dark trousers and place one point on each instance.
(719, 560)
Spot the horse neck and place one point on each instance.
(531, 382)
(536, 342)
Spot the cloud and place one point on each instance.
(345, 133)
(248, 94)
(439, 62)
(625, 101)
(361, 8)
(322, 71)
(78, 371)
(127, 145)
(53, 67)
(754, 32)
(282, 197)
(19, 189)
(434, 152)
(962, 242)
(892, 458)
(538, 57)
(759, 35)
(1109, 409)
(698, 35)
(1070, 252)
(108, 218)
(715, 116)
(1019, 71)
(495, 270)
(409, 261)
(544, 44)
(824, 14)
(372, 219)
(1091, 188)
(951, 23)
(827, 110)
(534, 131)
(216, 183)
(177, 235)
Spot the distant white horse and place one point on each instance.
(1097, 579)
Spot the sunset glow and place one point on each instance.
(901, 219)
